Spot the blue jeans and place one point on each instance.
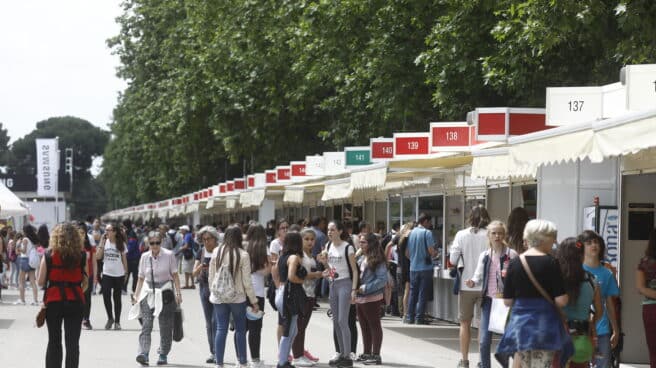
(286, 341)
(222, 314)
(208, 311)
(420, 284)
(485, 336)
(602, 356)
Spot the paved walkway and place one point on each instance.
(24, 345)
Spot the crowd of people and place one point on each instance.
(561, 296)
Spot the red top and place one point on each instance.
(63, 282)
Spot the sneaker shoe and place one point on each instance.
(117, 326)
(162, 360)
(310, 356)
(352, 356)
(256, 364)
(345, 362)
(373, 360)
(19, 302)
(303, 362)
(463, 363)
(87, 325)
(335, 359)
(363, 357)
(142, 359)
(109, 324)
(286, 365)
(210, 359)
(34, 304)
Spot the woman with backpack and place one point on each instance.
(28, 259)
(112, 251)
(63, 274)
(256, 247)
(583, 292)
(369, 299)
(341, 269)
(231, 286)
(292, 298)
(90, 252)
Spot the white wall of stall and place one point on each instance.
(635, 189)
(565, 189)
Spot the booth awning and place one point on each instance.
(407, 183)
(370, 177)
(192, 208)
(497, 164)
(596, 141)
(440, 160)
(336, 190)
(210, 204)
(293, 194)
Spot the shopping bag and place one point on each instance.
(498, 316)
(178, 332)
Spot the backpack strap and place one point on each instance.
(346, 257)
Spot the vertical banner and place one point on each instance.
(47, 163)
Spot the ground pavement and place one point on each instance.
(24, 345)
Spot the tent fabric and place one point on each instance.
(294, 194)
(337, 191)
(441, 160)
(551, 150)
(10, 204)
(367, 179)
(500, 167)
(627, 138)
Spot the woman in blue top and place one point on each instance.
(607, 327)
(582, 291)
(210, 238)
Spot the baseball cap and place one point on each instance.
(184, 227)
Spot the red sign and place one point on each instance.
(222, 188)
(230, 186)
(454, 136)
(270, 177)
(492, 123)
(240, 184)
(284, 173)
(382, 149)
(211, 192)
(411, 144)
(195, 196)
(298, 169)
(522, 123)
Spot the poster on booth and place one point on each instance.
(604, 220)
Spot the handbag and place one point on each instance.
(178, 331)
(456, 274)
(499, 313)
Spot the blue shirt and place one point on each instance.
(608, 287)
(418, 242)
(319, 241)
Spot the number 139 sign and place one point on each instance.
(411, 144)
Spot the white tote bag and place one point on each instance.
(498, 316)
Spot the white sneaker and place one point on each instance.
(303, 362)
(256, 364)
(353, 356)
(19, 302)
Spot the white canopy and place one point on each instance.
(10, 205)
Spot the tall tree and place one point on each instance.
(4, 146)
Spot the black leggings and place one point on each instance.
(254, 329)
(87, 300)
(354, 331)
(112, 286)
(71, 314)
(133, 269)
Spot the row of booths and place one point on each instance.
(586, 161)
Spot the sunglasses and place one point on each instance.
(155, 243)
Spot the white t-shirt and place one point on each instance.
(308, 285)
(275, 247)
(112, 261)
(27, 245)
(337, 260)
(257, 279)
(469, 245)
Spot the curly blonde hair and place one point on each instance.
(66, 239)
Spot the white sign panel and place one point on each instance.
(570, 105)
(47, 163)
(640, 87)
(609, 230)
(314, 165)
(260, 180)
(614, 100)
(334, 162)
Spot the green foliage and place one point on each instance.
(219, 89)
(87, 142)
(4, 146)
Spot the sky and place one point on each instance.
(54, 62)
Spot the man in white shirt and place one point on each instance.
(467, 245)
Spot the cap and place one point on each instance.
(184, 227)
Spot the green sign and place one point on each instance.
(358, 157)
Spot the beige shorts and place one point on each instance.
(467, 300)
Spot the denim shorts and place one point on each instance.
(24, 264)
